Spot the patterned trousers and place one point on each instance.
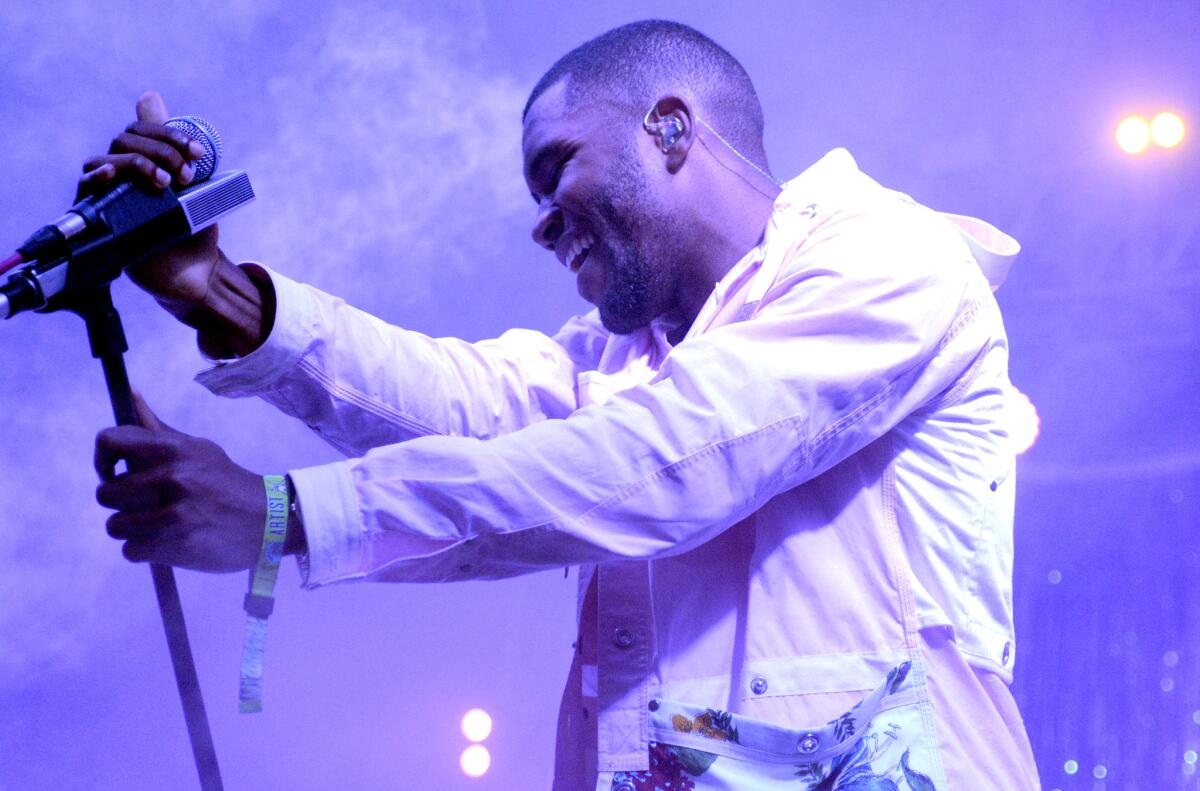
(876, 746)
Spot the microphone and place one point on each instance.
(50, 240)
(102, 234)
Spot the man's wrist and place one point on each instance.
(237, 313)
(295, 543)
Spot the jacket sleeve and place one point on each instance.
(360, 382)
(872, 315)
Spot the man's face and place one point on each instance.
(598, 210)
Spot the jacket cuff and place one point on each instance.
(332, 525)
(291, 335)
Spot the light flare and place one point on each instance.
(1026, 424)
(475, 760)
(476, 725)
(1133, 134)
(1167, 130)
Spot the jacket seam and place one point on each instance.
(363, 402)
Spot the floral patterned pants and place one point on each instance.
(878, 745)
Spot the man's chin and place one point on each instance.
(621, 323)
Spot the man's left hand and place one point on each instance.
(182, 502)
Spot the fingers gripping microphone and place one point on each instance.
(103, 234)
(50, 240)
(201, 131)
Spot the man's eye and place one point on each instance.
(556, 174)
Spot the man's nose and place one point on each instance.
(548, 226)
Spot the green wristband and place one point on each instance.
(260, 600)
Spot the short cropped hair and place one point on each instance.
(633, 65)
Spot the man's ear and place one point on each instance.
(671, 122)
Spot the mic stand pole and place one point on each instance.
(107, 339)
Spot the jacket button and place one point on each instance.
(622, 638)
(758, 685)
(1007, 653)
(809, 743)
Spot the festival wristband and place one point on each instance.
(260, 600)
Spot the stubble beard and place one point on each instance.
(638, 279)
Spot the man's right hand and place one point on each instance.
(193, 280)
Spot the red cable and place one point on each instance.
(10, 262)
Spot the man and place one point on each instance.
(777, 451)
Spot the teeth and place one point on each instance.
(578, 248)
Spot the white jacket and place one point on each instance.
(776, 507)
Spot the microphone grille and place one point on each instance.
(203, 133)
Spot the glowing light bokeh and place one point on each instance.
(1133, 134)
(476, 725)
(475, 760)
(1026, 424)
(1167, 130)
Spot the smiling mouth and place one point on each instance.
(578, 251)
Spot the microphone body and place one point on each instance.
(102, 234)
(127, 225)
(50, 241)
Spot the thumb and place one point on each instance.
(152, 108)
(145, 415)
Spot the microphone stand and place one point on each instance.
(107, 339)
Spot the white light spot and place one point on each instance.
(1100, 772)
(1071, 767)
(1196, 716)
(1167, 684)
(1171, 658)
(1176, 496)
(1055, 576)
(1189, 757)
(476, 725)
(1133, 135)
(1167, 130)
(475, 760)
(1025, 425)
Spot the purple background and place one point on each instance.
(383, 142)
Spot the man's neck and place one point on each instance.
(725, 230)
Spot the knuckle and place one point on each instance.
(123, 142)
(173, 488)
(172, 449)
